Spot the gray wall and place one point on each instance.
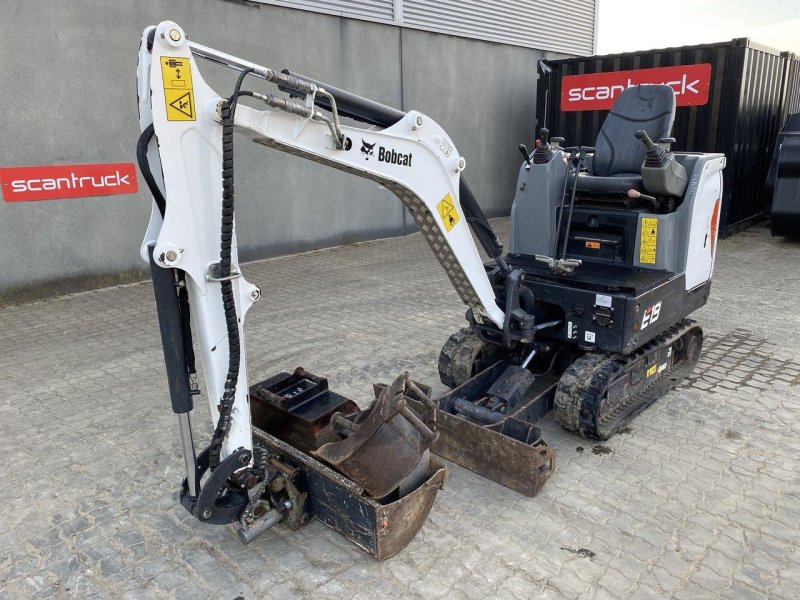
(67, 83)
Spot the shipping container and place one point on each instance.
(732, 97)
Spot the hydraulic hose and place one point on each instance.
(179, 276)
(368, 111)
(144, 167)
(228, 299)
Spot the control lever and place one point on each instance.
(656, 155)
(636, 195)
(525, 154)
(582, 152)
(544, 135)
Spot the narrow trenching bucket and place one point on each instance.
(385, 444)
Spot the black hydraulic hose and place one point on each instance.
(368, 111)
(187, 349)
(144, 167)
(477, 220)
(228, 299)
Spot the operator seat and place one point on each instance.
(617, 161)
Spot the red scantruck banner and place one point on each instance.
(597, 91)
(21, 184)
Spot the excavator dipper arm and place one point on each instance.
(186, 151)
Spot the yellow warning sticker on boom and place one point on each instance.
(447, 211)
(648, 241)
(177, 77)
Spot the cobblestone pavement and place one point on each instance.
(699, 499)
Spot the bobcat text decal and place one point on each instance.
(386, 155)
(597, 91)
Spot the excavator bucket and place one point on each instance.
(369, 475)
(504, 447)
(510, 451)
(384, 444)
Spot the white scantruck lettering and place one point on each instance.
(605, 92)
(71, 183)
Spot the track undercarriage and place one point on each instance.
(487, 422)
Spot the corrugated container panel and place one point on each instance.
(752, 88)
(376, 10)
(756, 127)
(546, 24)
(791, 102)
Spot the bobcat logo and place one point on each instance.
(367, 149)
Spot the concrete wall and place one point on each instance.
(67, 84)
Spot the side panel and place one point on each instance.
(704, 225)
(533, 214)
(615, 322)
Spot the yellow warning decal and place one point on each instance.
(593, 245)
(177, 77)
(448, 213)
(652, 370)
(648, 241)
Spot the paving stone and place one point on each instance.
(699, 500)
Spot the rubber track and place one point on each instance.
(457, 357)
(580, 393)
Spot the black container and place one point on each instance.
(751, 91)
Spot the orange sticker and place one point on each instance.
(714, 226)
(593, 245)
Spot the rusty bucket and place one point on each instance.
(385, 444)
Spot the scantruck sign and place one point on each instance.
(21, 184)
(597, 91)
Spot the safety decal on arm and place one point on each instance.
(447, 211)
(178, 93)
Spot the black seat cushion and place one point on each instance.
(647, 107)
(616, 184)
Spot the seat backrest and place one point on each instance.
(648, 107)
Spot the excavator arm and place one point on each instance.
(186, 155)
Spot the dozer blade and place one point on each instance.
(509, 451)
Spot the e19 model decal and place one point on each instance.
(651, 315)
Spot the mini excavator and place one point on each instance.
(611, 248)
